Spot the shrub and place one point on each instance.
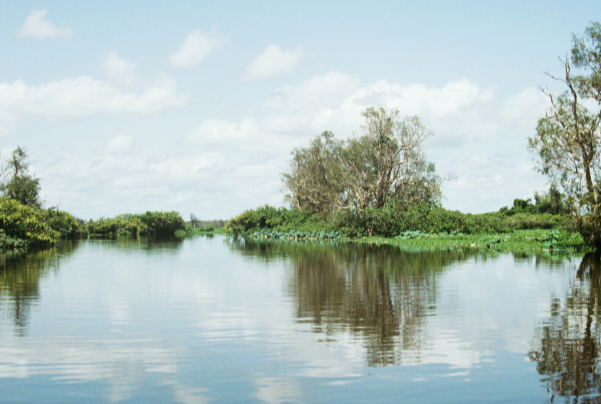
(268, 217)
(150, 223)
(162, 223)
(25, 223)
(64, 223)
(393, 220)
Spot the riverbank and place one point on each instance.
(537, 240)
(515, 241)
(422, 226)
(25, 227)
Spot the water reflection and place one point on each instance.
(20, 275)
(151, 246)
(380, 295)
(567, 345)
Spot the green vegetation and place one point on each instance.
(568, 136)
(385, 163)
(516, 240)
(17, 183)
(25, 227)
(26, 224)
(150, 223)
(379, 188)
(509, 229)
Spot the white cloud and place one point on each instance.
(36, 26)
(231, 165)
(120, 145)
(216, 131)
(195, 48)
(81, 97)
(478, 138)
(422, 100)
(273, 62)
(313, 106)
(217, 181)
(525, 108)
(120, 72)
(456, 112)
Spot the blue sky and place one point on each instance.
(196, 106)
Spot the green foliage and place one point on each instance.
(552, 202)
(127, 225)
(568, 136)
(385, 163)
(21, 186)
(25, 223)
(162, 223)
(589, 225)
(11, 243)
(517, 240)
(295, 235)
(390, 222)
(65, 224)
(317, 176)
(120, 226)
(269, 217)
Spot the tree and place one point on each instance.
(586, 55)
(316, 181)
(194, 220)
(567, 138)
(17, 183)
(385, 164)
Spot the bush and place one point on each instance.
(394, 220)
(10, 243)
(268, 217)
(25, 223)
(162, 223)
(65, 224)
(120, 226)
(150, 223)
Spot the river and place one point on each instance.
(210, 319)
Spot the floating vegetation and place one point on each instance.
(296, 235)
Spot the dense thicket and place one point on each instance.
(23, 226)
(149, 223)
(393, 220)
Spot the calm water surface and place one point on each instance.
(210, 319)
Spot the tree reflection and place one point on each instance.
(20, 276)
(151, 246)
(567, 346)
(380, 295)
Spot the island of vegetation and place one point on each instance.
(379, 187)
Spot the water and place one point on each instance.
(209, 319)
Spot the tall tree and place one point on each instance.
(17, 183)
(385, 163)
(568, 137)
(316, 180)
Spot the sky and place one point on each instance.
(129, 106)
